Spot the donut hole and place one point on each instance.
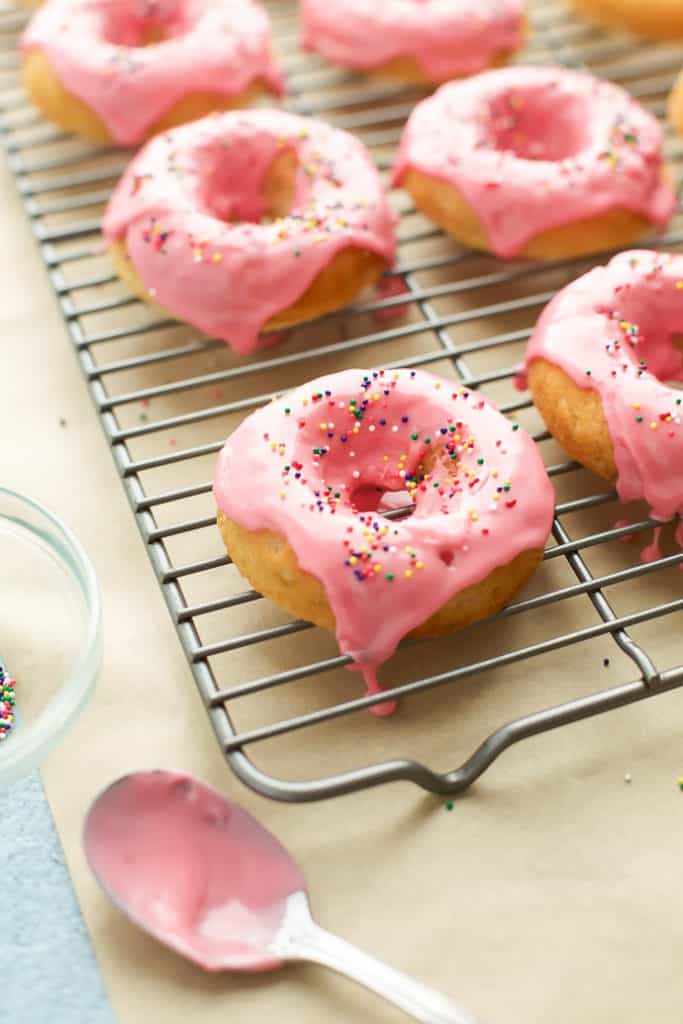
(397, 504)
(538, 124)
(232, 191)
(135, 26)
(446, 556)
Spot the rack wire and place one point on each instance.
(167, 398)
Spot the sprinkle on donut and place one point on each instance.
(465, 492)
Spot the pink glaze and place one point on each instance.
(305, 465)
(446, 39)
(191, 210)
(192, 868)
(612, 331)
(96, 48)
(532, 149)
(391, 288)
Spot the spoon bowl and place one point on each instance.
(198, 873)
(191, 868)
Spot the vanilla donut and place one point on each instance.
(676, 105)
(249, 222)
(120, 71)
(600, 364)
(537, 162)
(654, 19)
(432, 41)
(301, 484)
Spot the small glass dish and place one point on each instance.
(50, 629)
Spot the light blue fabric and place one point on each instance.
(49, 971)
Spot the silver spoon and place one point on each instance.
(202, 876)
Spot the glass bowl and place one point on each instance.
(50, 629)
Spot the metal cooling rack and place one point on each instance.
(461, 313)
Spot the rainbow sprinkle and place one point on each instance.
(7, 702)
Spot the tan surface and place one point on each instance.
(447, 207)
(654, 19)
(73, 115)
(551, 893)
(270, 565)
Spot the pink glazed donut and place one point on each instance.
(253, 221)
(414, 40)
(544, 163)
(301, 485)
(122, 70)
(600, 364)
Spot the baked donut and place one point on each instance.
(676, 105)
(120, 71)
(427, 42)
(302, 483)
(537, 162)
(249, 222)
(653, 19)
(599, 367)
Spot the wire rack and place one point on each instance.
(167, 398)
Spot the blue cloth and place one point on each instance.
(50, 974)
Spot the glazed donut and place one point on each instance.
(537, 162)
(301, 485)
(654, 19)
(432, 41)
(249, 222)
(598, 365)
(120, 71)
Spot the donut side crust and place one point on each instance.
(574, 416)
(653, 19)
(408, 70)
(266, 559)
(60, 106)
(349, 272)
(444, 204)
(675, 107)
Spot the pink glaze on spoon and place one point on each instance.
(206, 879)
(191, 868)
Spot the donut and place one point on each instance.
(676, 105)
(543, 163)
(653, 19)
(600, 364)
(426, 42)
(120, 71)
(302, 484)
(249, 222)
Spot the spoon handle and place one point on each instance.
(307, 941)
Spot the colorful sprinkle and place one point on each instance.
(7, 703)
